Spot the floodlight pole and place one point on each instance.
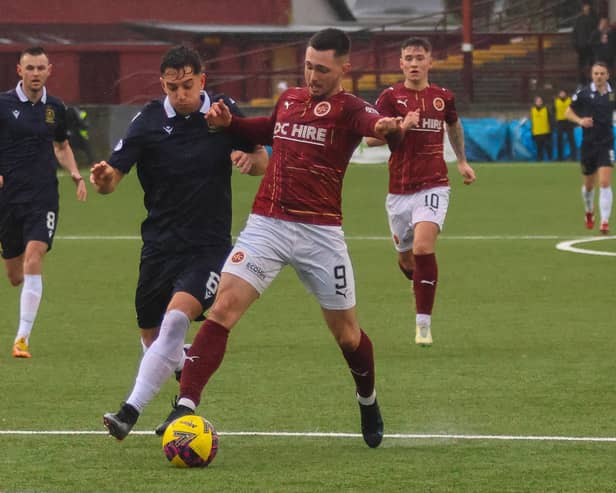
(467, 47)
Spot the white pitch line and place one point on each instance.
(361, 238)
(402, 436)
(95, 237)
(567, 246)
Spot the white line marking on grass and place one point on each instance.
(567, 246)
(282, 434)
(96, 238)
(356, 238)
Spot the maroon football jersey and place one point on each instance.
(313, 140)
(417, 162)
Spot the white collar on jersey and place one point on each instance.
(593, 88)
(204, 107)
(22, 95)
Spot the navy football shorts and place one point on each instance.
(21, 223)
(161, 276)
(595, 157)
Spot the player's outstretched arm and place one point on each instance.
(455, 132)
(386, 126)
(104, 177)
(66, 158)
(219, 115)
(251, 163)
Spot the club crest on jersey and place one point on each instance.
(168, 129)
(238, 257)
(50, 115)
(16, 114)
(439, 104)
(322, 109)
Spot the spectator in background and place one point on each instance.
(584, 26)
(77, 128)
(602, 43)
(564, 127)
(540, 128)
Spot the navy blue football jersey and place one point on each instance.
(185, 171)
(588, 102)
(27, 160)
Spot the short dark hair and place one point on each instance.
(601, 64)
(179, 57)
(417, 42)
(331, 39)
(32, 50)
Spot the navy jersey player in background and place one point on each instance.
(592, 108)
(419, 189)
(185, 171)
(297, 220)
(33, 139)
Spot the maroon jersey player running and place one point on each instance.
(296, 220)
(418, 185)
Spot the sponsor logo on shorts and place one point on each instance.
(238, 257)
(256, 270)
(342, 293)
(438, 104)
(322, 109)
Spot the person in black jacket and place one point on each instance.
(584, 26)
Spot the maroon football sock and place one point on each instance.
(203, 359)
(361, 364)
(424, 282)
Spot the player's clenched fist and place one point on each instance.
(411, 120)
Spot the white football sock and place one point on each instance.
(589, 198)
(605, 203)
(29, 302)
(160, 360)
(423, 320)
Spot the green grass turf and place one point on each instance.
(524, 343)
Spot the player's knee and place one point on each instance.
(348, 340)
(226, 310)
(33, 264)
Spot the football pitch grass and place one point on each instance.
(516, 395)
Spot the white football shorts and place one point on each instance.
(404, 211)
(318, 254)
